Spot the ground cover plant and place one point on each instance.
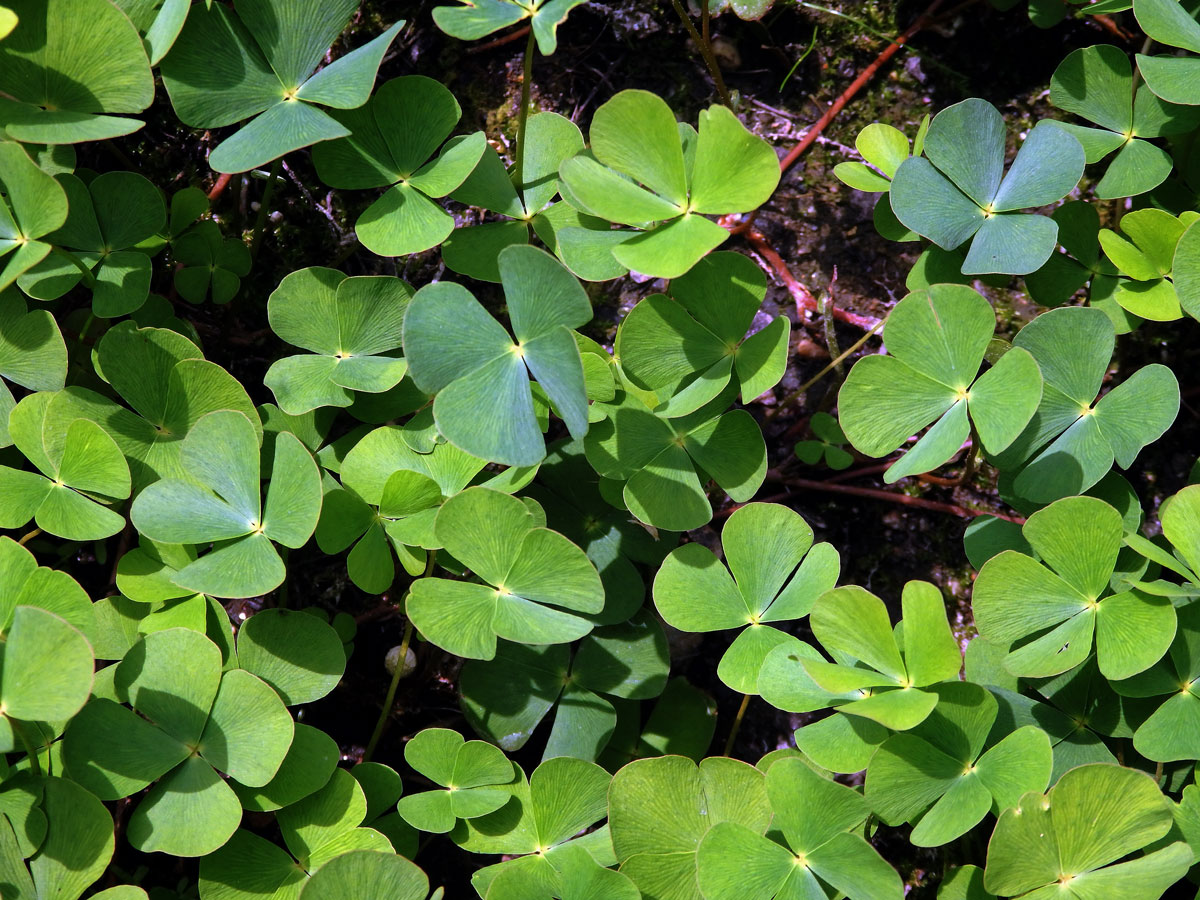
(434, 461)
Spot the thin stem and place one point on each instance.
(737, 724)
(903, 499)
(26, 538)
(706, 52)
(88, 278)
(397, 674)
(87, 325)
(264, 207)
(796, 394)
(35, 764)
(523, 114)
(831, 344)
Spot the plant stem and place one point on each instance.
(523, 115)
(34, 764)
(26, 538)
(737, 724)
(706, 51)
(796, 394)
(390, 698)
(264, 208)
(903, 499)
(831, 344)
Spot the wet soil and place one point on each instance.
(822, 229)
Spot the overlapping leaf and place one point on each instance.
(353, 326)
(937, 339)
(256, 61)
(391, 143)
(221, 504)
(635, 174)
(456, 350)
(775, 574)
(537, 583)
(959, 191)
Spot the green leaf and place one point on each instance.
(190, 812)
(46, 667)
(78, 844)
(78, 57)
(298, 655)
(735, 171)
(1095, 815)
(635, 132)
(367, 873)
(248, 731)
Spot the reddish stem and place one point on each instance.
(857, 84)
(219, 186)
(501, 41)
(903, 499)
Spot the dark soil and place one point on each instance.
(822, 229)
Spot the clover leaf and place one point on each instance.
(884, 148)
(816, 818)
(47, 663)
(570, 491)
(391, 496)
(561, 798)
(479, 18)
(472, 773)
(1095, 815)
(256, 62)
(222, 504)
(1170, 76)
(456, 350)
(775, 574)
(169, 384)
(1171, 731)
(660, 459)
(352, 325)
(958, 190)
(893, 686)
(572, 874)
(158, 21)
(108, 217)
(828, 446)
(1096, 83)
(506, 698)
(34, 205)
(297, 654)
(524, 199)
(939, 776)
(635, 140)
(316, 829)
(393, 142)
(210, 265)
(81, 468)
(1073, 348)
(1146, 257)
(187, 723)
(66, 66)
(1078, 539)
(688, 345)
(368, 873)
(524, 566)
(937, 339)
(658, 850)
(310, 762)
(32, 354)
(75, 842)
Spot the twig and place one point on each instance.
(857, 84)
(903, 499)
(501, 41)
(706, 52)
(801, 295)
(219, 186)
(794, 395)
